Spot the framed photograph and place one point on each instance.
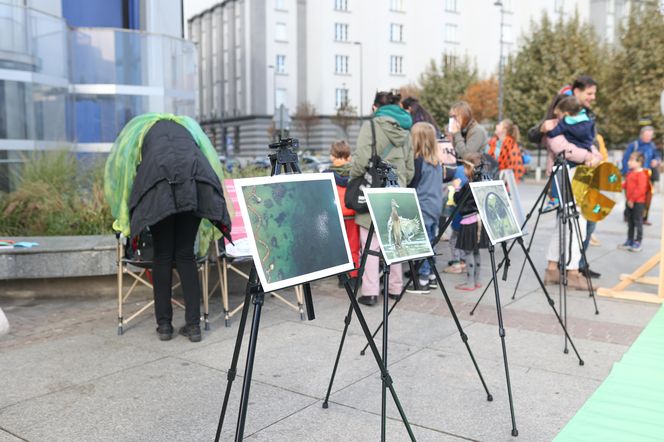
(495, 210)
(295, 228)
(398, 223)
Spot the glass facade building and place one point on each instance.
(71, 78)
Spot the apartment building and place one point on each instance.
(256, 55)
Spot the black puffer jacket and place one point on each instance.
(174, 176)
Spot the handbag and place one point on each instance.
(354, 197)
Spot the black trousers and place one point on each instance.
(173, 239)
(635, 222)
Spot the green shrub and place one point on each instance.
(53, 198)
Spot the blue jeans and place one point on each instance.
(590, 228)
(425, 268)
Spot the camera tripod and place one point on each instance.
(254, 293)
(568, 223)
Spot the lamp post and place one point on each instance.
(359, 43)
(499, 3)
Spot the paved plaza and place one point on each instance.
(67, 376)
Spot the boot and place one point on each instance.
(551, 277)
(575, 280)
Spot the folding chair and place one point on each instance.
(141, 272)
(227, 260)
(229, 255)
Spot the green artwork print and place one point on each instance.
(398, 223)
(495, 210)
(296, 227)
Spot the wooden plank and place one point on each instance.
(649, 280)
(632, 296)
(641, 271)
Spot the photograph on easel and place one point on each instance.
(296, 229)
(397, 219)
(495, 210)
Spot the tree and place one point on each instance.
(550, 56)
(345, 117)
(636, 79)
(305, 119)
(443, 85)
(483, 99)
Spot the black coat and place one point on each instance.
(174, 176)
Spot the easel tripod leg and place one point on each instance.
(413, 269)
(550, 301)
(464, 337)
(385, 375)
(236, 352)
(249, 367)
(386, 298)
(501, 332)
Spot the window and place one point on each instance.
(280, 97)
(396, 32)
(396, 65)
(340, 32)
(450, 35)
(341, 5)
(341, 64)
(340, 97)
(281, 64)
(280, 4)
(396, 5)
(451, 6)
(280, 32)
(449, 60)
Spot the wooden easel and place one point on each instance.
(638, 276)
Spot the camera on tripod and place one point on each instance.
(387, 174)
(284, 156)
(286, 143)
(481, 172)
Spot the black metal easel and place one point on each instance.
(286, 159)
(569, 215)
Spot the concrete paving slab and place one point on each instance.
(6, 437)
(537, 350)
(445, 394)
(45, 368)
(580, 306)
(340, 422)
(299, 358)
(148, 403)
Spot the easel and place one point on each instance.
(286, 159)
(569, 220)
(638, 276)
(494, 280)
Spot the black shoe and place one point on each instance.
(193, 332)
(368, 300)
(165, 332)
(589, 273)
(433, 283)
(391, 296)
(423, 288)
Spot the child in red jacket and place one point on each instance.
(637, 187)
(340, 157)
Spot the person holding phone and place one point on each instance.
(468, 136)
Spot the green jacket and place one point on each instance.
(388, 132)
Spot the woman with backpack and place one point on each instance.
(391, 125)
